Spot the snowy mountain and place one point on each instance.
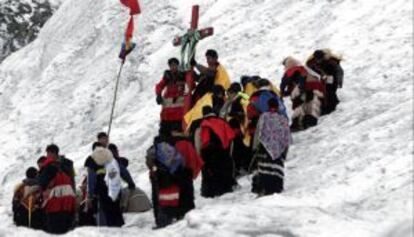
(352, 175)
(20, 22)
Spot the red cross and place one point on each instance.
(189, 73)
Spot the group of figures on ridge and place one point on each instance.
(208, 125)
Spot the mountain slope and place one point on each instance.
(350, 176)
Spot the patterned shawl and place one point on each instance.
(273, 133)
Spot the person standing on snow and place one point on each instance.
(212, 74)
(212, 141)
(234, 113)
(328, 66)
(293, 80)
(56, 179)
(259, 103)
(192, 165)
(165, 163)
(271, 141)
(170, 93)
(104, 187)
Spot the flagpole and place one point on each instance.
(115, 94)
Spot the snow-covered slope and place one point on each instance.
(350, 176)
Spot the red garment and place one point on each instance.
(293, 70)
(299, 78)
(315, 85)
(59, 195)
(192, 159)
(219, 127)
(173, 90)
(130, 29)
(173, 86)
(133, 6)
(252, 112)
(169, 197)
(47, 161)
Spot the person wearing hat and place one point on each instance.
(212, 74)
(327, 64)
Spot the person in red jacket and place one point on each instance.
(170, 92)
(212, 140)
(293, 80)
(59, 200)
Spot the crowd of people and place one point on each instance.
(208, 124)
(227, 130)
(48, 198)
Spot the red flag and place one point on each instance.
(133, 6)
(130, 28)
(128, 46)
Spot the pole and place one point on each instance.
(30, 210)
(114, 101)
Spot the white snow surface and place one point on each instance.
(352, 175)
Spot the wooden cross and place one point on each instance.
(178, 41)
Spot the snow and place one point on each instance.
(352, 175)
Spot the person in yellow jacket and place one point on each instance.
(214, 99)
(212, 74)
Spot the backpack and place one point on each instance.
(262, 103)
(168, 155)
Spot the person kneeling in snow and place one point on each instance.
(27, 209)
(271, 141)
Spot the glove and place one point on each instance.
(193, 62)
(159, 99)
